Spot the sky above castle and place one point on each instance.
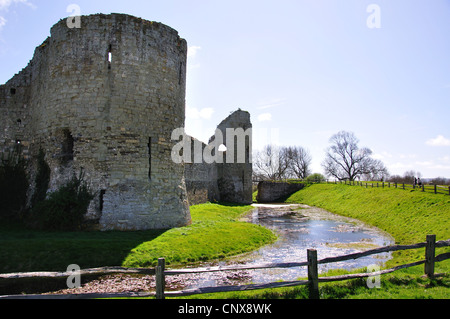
(304, 69)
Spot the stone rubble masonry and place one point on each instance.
(108, 115)
(226, 182)
(113, 119)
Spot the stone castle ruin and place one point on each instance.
(105, 98)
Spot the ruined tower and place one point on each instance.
(230, 179)
(105, 98)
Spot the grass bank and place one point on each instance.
(215, 232)
(407, 215)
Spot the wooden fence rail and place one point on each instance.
(433, 188)
(312, 263)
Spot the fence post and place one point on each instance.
(429, 255)
(313, 274)
(160, 279)
(449, 190)
(435, 188)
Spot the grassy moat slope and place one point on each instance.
(407, 215)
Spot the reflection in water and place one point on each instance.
(301, 228)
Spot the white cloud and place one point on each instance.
(195, 114)
(192, 54)
(192, 51)
(425, 163)
(2, 22)
(265, 117)
(445, 159)
(441, 167)
(401, 165)
(5, 4)
(270, 104)
(439, 141)
(407, 156)
(381, 156)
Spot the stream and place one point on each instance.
(300, 227)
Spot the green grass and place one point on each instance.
(398, 285)
(25, 250)
(214, 233)
(407, 215)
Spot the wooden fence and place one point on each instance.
(311, 263)
(432, 188)
(436, 189)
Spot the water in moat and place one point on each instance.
(299, 228)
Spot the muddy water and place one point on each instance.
(299, 228)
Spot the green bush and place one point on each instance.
(13, 186)
(315, 178)
(64, 209)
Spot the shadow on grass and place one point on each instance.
(25, 250)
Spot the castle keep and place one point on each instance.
(105, 98)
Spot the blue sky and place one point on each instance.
(304, 69)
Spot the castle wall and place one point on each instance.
(111, 117)
(269, 192)
(104, 99)
(235, 179)
(201, 179)
(226, 181)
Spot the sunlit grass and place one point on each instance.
(215, 233)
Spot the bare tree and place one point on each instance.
(270, 163)
(409, 176)
(299, 162)
(377, 171)
(345, 160)
(276, 163)
(440, 181)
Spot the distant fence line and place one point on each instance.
(311, 263)
(432, 188)
(436, 189)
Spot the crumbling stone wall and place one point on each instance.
(235, 178)
(224, 180)
(201, 179)
(105, 98)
